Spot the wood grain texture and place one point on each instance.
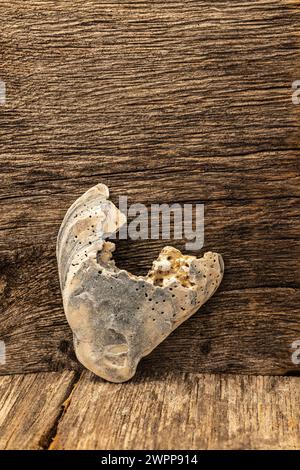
(184, 101)
(182, 411)
(30, 405)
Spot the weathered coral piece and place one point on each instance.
(116, 317)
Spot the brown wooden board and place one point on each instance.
(173, 410)
(30, 407)
(187, 101)
(182, 411)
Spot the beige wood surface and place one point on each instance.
(188, 101)
(183, 411)
(165, 411)
(30, 406)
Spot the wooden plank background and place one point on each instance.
(184, 101)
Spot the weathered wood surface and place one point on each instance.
(183, 411)
(30, 406)
(181, 102)
(173, 410)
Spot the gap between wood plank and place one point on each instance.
(50, 437)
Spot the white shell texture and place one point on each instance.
(116, 317)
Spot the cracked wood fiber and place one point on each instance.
(186, 101)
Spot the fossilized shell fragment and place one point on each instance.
(116, 317)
